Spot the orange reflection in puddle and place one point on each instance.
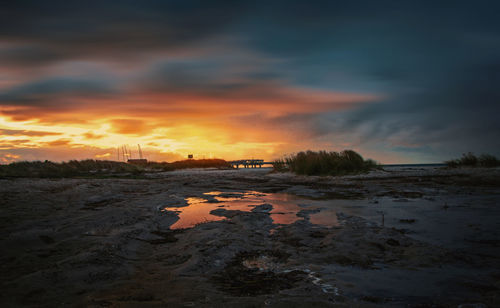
(194, 200)
(284, 210)
(193, 214)
(327, 218)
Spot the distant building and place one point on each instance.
(190, 156)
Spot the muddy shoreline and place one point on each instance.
(400, 237)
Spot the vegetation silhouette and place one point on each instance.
(325, 163)
(471, 160)
(96, 168)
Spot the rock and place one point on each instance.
(225, 213)
(306, 213)
(303, 205)
(231, 195)
(263, 208)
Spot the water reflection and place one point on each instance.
(326, 217)
(285, 208)
(194, 200)
(425, 220)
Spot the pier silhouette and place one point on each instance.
(249, 163)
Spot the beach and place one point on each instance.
(395, 237)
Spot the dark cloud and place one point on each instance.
(213, 75)
(436, 62)
(49, 92)
(444, 120)
(44, 99)
(29, 56)
(42, 32)
(239, 82)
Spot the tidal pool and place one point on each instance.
(284, 211)
(433, 221)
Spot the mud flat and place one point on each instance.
(399, 237)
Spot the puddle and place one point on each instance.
(285, 208)
(326, 217)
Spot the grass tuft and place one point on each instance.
(325, 163)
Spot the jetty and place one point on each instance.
(248, 163)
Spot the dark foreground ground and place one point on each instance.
(395, 238)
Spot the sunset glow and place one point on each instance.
(248, 120)
(237, 81)
(204, 126)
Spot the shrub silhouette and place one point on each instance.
(470, 160)
(324, 163)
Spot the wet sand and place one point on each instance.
(399, 237)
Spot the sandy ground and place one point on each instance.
(399, 237)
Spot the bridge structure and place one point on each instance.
(248, 163)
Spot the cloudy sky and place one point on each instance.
(398, 81)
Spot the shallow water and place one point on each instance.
(454, 223)
(284, 210)
(457, 225)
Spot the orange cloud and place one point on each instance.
(270, 98)
(17, 132)
(90, 135)
(8, 158)
(105, 155)
(8, 144)
(59, 142)
(130, 126)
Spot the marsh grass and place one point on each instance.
(99, 168)
(325, 163)
(471, 160)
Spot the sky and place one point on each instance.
(397, 81)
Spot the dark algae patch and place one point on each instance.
(165, 237)
(257, 272)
